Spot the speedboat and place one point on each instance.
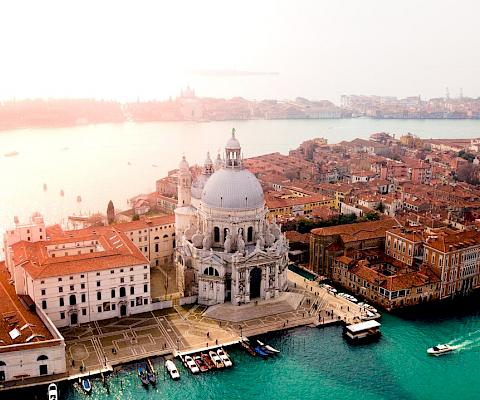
(143, 376)
(206, 358)
(52, 392)
(190, 364)
(200, 363)
(268, 347)
(86, 385)
(216, 359)
(246, 345)
(440, 349)
(224, 356)
(172, 369)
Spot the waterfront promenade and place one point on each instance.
(101, 345)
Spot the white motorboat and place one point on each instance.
(268, 347)
(191, 365)
(52, 392)
(172, 369)
(216, 359)
(224, 356)
(440, 349)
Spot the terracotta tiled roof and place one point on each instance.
(147, 222)
(118, 251)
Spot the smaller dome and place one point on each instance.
(183, 166)
(233, 143)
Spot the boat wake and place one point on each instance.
(467, 342)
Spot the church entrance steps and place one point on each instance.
(286, 302)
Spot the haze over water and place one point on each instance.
(93, 161)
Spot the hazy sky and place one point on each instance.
(319, 49)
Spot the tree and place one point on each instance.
(110, 212)
(380, 207)
(468, 173)
(135, 217)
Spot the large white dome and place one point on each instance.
(232, 188)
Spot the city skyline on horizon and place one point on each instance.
(316, 50)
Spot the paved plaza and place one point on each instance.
(100, 345)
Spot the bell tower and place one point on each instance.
(233, 152)
(184, 184)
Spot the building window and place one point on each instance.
(145, 301)
(131, 268)
(98, 273)
(99, 295)
(43, 292)
(122, 280)
(145, 288)
(113, 293)
(131, 278)
(145, 276)
(71, 278)
(73, 299)
(99, 308)
(250, 234)
(132, 290)
(62, 303)
(59, 279)
(60, 289)
(112, 271)
(82, 286)
(82, 276)
(122, 292)
(84, 311)
(84, 298)
(44, 304)
(42, 282)
(62, 315)
(98, 283)
(132, 303)
(216, 234)
(72, 287)
(113, 307)
(145, 267)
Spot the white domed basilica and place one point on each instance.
(226, 248)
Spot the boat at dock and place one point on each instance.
(86, 385)
(52, 392)
(206, 358)
(191, 365)
(172, 369)
(440, 349)
(225, 358)
(269, 349)
(143, 376)
(363, 331)
(200, 363)
(152, 377)
(247, 346)
(261, 352)
(216, 359)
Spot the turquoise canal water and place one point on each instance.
(319, 364)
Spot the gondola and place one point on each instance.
(269, 349)
(206, 358)
(86, 385)
(246, 345)
(260, 352)
(143, 376)
(200, 363)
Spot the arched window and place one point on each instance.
(73, 299)
(42, 358)
(156, 238)
(173, 234)
(165, 236)
(210, 271)
(216, 234)
(122, 292)
(250, 234)
(2, 364)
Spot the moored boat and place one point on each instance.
(206, 358)
(86, 385)
(52, 392)
(260, 352)
(152, 377)
(200, 363)
(172, 369)
(440, 349)
(363, 331)
(247, 346)
(269, 348)
(216, 359)
(143, 376)
(225, 358)
(190, 364)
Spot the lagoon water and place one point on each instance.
(319, 364)
(117, 161)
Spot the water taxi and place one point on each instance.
(440, 349)
(367, 330)
(172, 369)
(224, 356)
(52, 392)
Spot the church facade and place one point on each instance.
(226, 249)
